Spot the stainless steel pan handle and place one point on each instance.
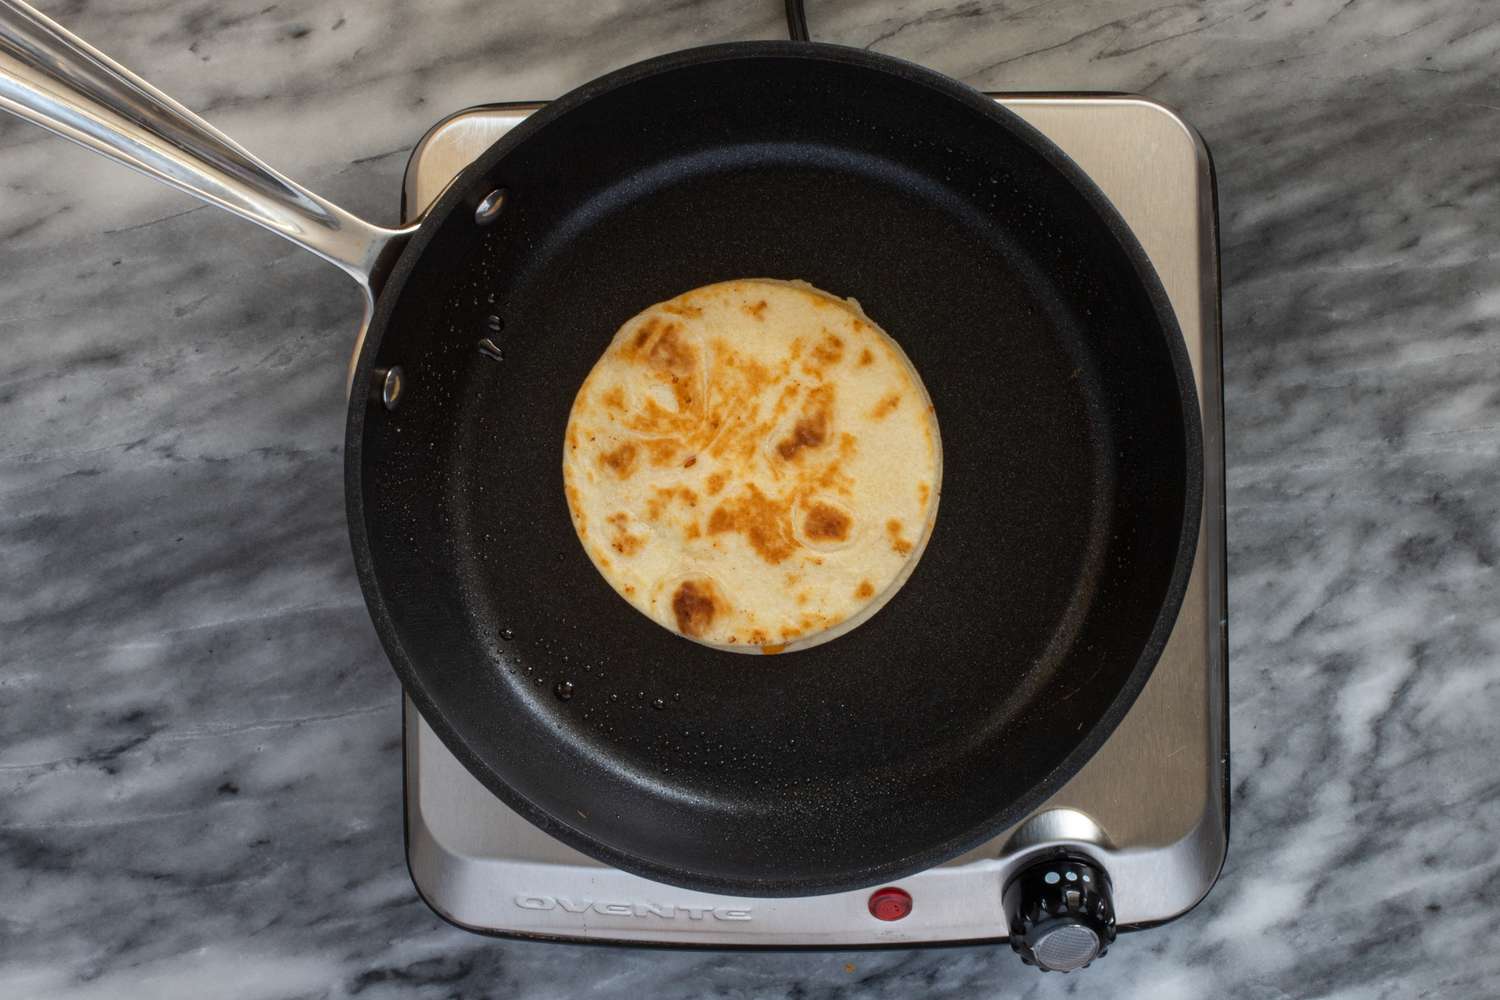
(53, 78)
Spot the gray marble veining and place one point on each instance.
(200, 772)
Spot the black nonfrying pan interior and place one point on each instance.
(1070, 495)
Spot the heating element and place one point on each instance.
(1147, 816)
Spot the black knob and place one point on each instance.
(1061, 916)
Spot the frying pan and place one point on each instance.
(1069, 422)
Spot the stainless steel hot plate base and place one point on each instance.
(1150, 806)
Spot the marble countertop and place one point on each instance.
(200, 770)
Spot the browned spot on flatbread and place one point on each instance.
(784, 400)
(924, 493)
(621, 460)
(694, 605)
(886, 406)
(614, 399)
(672, 353)
(764, 523)
(771, 649)
(899, 544)
(758, 310)
(715, 483)
(663, 451)
(663, 348)
(682, 309)
(829, 350)
(691, 461)
(866, 358)
(623, 541)
(662, 497)
(833, 478)
(826, 523)
(693, 531)
(864, 590)
(812, 427)
(810, 432)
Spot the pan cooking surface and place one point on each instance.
(1070, 456)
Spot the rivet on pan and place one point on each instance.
(491, 350)
(390, 383)
(490, 208)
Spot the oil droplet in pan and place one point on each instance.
(564, 690)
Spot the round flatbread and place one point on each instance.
(754, 465)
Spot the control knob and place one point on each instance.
(1060, 913)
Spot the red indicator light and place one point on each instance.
(890, 903)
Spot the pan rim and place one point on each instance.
(461, 192)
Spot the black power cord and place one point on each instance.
(796, 21)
